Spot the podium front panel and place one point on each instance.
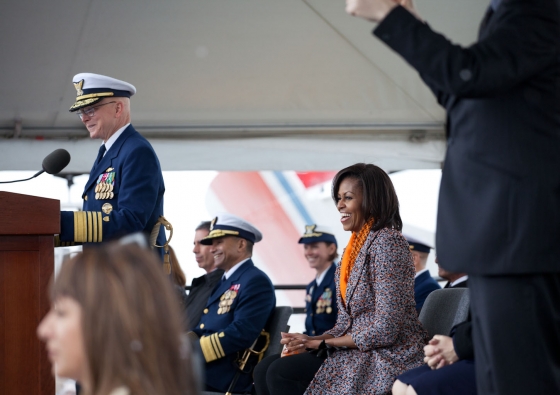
(26, 266)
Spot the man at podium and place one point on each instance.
(124, 193)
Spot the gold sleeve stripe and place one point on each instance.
(75, 226)
(207, 350)
(99, 227)
(89, 227)
(94, 226)
(78, 226)
(82, 232)
(217, 345)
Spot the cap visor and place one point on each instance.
(84, 103)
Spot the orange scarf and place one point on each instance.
(351, 252)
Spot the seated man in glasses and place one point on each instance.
(124, 193)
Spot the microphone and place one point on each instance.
(52, 164)
(55, 161)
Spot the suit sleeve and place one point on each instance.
(392, 281)
(249, 318)
(462, 340)
(137, 197)
(521, 44)
(77, 227)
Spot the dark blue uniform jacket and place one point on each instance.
(320, 304)
(134, 202)
(424, 284)
(236, 312)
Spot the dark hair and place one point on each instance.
(249, 246)
(204, 225)
(380, 200)
(130, 320)
(334, 255)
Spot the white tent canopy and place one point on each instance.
(223, 84)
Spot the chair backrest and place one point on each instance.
(278, 323)
(443, 309)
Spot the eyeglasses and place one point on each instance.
(90, 111)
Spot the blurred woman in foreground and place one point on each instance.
(114, 325)
(377, 335)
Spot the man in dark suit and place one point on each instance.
(454, 280)
(424, 284)
(238, 308)
(124, 193)
(202, 286)
(499, 204)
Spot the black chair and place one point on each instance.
(443, 309)
(270, 336)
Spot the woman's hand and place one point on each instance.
(313, 344)
(440, 352)
(294, 342)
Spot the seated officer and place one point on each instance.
(424, 284)
(238, 308)
(320, 300)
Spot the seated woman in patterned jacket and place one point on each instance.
(377, 335)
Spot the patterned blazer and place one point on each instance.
(380, 315)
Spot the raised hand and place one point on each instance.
(373, 10)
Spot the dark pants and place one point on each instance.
(456, 379)
(286, 376)
(516, 333)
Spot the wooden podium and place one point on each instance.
(27, 228)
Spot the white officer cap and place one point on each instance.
(315, 233)
(91, 88)
(230, 225)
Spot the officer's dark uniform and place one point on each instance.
(236, 312)
(124, 193)
(424, 284)
(320, 300)
(320, 304)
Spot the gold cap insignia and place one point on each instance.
(310, 229)
(213, 223)
(78, 86)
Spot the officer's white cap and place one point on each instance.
(226, 224)
(315, 233)
(91, 88)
